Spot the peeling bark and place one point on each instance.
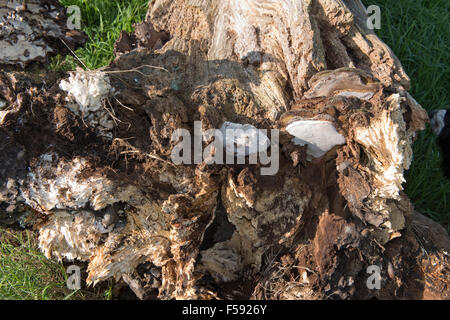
(226, 231)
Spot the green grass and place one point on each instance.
(102, 21)
(26, 274)
(419, 34)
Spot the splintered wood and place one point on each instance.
(335, 207)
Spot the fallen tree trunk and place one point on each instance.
(88, 160)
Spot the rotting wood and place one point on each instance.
(226, 231)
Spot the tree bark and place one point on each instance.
(118, 202)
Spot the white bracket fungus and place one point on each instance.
(320, 136)
(244, 137)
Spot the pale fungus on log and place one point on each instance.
(336, 206)
(319, 136)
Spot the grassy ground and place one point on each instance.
(102, 20)
(416, 30)
(26, 274)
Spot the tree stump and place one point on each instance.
(87, 160)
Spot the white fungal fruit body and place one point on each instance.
(320, 136)
(89, 90)
(243, 139)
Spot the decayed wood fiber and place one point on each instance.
(223, 231)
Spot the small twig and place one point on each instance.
(124, 139)
(111, 113)
(160, 159)
(133, 150)
(305, 268)
(121, 104)
(82, 119)
(136, 70)
(382, 248)
(73, 53)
